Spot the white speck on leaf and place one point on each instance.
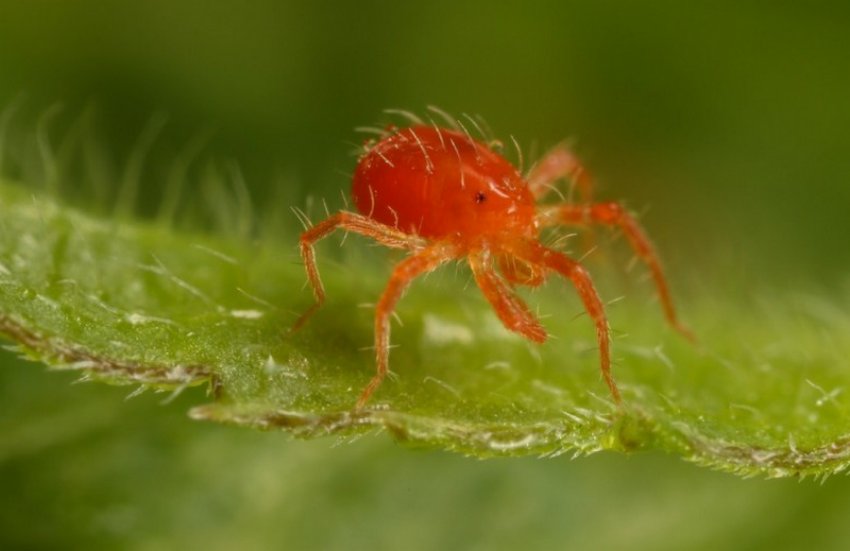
(441, 332)
(247, 314)
(139, 319)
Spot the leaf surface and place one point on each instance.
(140, 303)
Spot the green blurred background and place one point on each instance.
(727, 123)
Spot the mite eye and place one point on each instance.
(480, 197)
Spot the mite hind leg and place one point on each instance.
(348, 221)
(403, 274)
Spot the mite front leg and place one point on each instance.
(405, 271)
(513, 312)
(347, 221)
(560, 162)
(537, 254)
(613, 214)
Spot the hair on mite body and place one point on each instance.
(441, 195)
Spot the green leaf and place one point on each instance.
(129, 302)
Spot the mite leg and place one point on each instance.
(613, 214)
(537, 254)
(560, 162)
(513, 312)
(347, 221)
(405, 271)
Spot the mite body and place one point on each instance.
(442, 195)
(440, 185)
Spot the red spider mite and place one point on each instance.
(442, 195)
